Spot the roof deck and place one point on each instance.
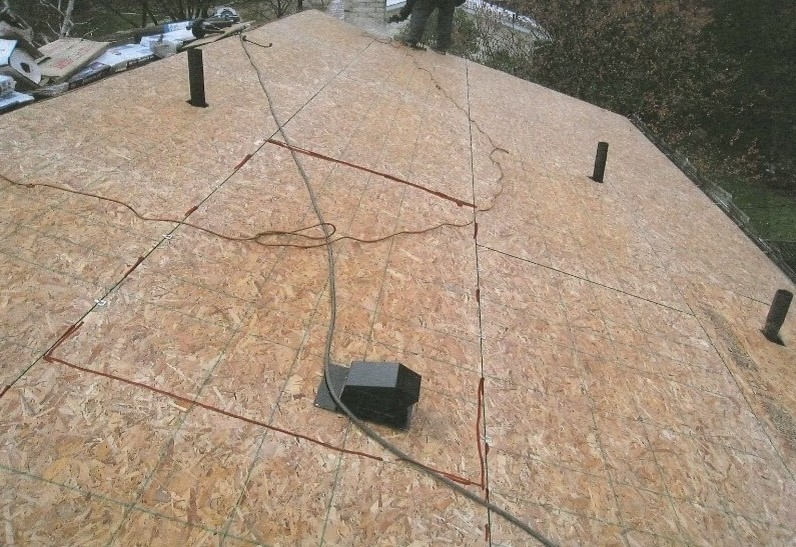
(591, 353)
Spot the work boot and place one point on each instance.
(413, 45)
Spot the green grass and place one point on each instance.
(771, 214)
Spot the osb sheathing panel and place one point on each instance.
(79, 430)
(41, 513)
(590, 353)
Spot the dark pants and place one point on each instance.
(420, 13)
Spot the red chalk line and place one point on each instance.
(50, 358)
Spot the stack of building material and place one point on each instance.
(28, 72)
(17, 67)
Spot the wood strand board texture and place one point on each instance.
(628, 398)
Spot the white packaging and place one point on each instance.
(16, 62)
(164, 49)
(7, 85)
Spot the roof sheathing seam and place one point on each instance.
(500, 283)
(442, 477)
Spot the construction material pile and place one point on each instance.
(28, 72)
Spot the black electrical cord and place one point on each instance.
(327, 357)
(254, 238)
(246, 39)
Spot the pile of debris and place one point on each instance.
(28, 72)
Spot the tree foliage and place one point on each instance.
(713, 78)
(757, 42)
(52, 19)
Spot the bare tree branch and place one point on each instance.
(67, 24)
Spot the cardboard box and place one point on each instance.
(178, 33)
(165, 48)
(17, 62)
(13, 99)
(66, 57)
(7, 85)
(90, 73)
(125, 56)
(48, 91)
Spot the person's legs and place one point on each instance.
(444, 25)
(403, 14)
(417, 22)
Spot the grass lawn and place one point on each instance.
(771, 214)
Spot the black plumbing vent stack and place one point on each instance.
(776, 316)
(377, 392)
